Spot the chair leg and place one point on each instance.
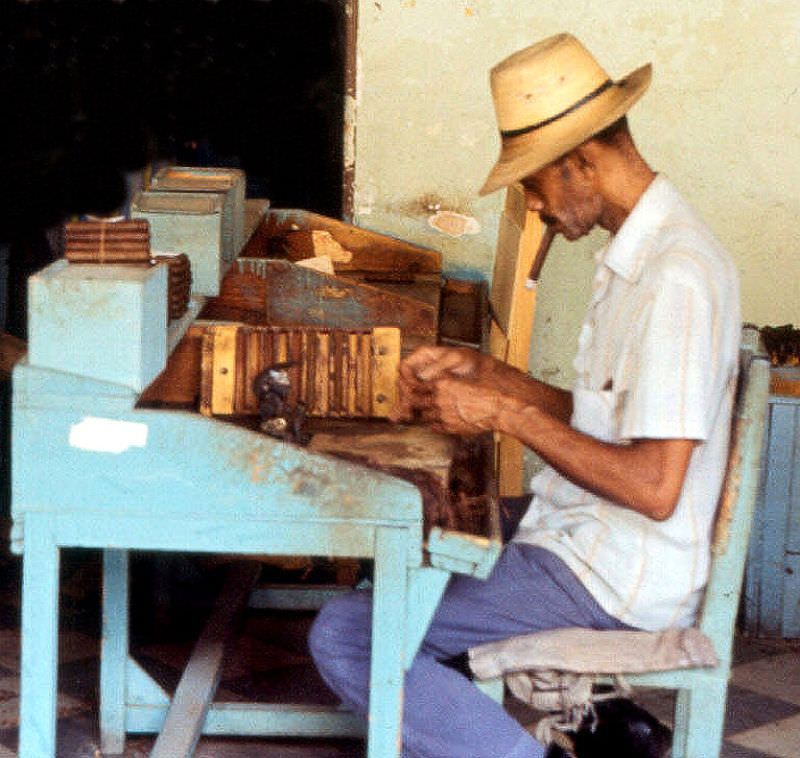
(699, 721)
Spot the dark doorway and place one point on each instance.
(92, 91)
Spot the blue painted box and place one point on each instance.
(190, 223)
(100, 321)
(772, 589)
(228, 182)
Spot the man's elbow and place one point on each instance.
(662, 504)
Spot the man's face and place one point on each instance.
(564, 195)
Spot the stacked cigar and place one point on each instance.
(127, 241)
(179, 286)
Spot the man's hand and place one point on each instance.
(461, 406)
(420, 372)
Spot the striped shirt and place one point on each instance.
(657, 358)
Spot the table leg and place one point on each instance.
(39, 663)
(114, 651)
(388, 638)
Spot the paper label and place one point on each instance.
(107, 435)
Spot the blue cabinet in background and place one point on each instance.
(772, 589)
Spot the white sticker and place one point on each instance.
(107, 435)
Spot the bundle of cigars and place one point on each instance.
(127, 241)
(104, 241)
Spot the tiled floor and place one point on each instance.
(270, 663)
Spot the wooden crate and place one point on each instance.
(372, 279)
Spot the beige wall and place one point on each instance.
(721, 119)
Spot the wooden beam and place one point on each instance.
(198, 685)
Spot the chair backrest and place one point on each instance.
(737, 503)
(512, 306)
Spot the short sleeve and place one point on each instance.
(668, 369)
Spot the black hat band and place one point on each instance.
(533, 127)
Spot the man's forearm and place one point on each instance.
(515, 383)
(646, 475)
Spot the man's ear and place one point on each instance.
(585, 156)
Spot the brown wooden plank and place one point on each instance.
(372, 251)
(409, 446)
(194, 694)
(352, 371)
(513, 304)
(300, 296)
(224, 368)
(516, 207)
(506, 263)
(385, 357)
(321, 371)
(11, 350)
(279, 293)
(179, 382)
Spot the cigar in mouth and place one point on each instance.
(541, 254)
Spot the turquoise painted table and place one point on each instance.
(92, 470)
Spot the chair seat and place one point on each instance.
(591, 651)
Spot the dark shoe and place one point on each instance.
(622, 730)
(554, 751)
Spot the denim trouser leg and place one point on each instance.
(445, 715)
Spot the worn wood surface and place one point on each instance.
(279, 293)
(11, 350)
(334, 372)
(415, 447)
(179, 383)
(371, 251)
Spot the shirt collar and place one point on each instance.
(629, 248)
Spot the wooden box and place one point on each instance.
(371, 280)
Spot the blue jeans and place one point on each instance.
(444, 714)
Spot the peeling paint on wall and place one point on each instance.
(454, 224)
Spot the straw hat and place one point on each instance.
(549, 98)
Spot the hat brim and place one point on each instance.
(527, 153)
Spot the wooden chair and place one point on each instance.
(701, 692)
(512, 304)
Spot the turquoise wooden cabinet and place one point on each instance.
(92, 469)
(772, 589)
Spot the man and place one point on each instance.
(618, 529)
